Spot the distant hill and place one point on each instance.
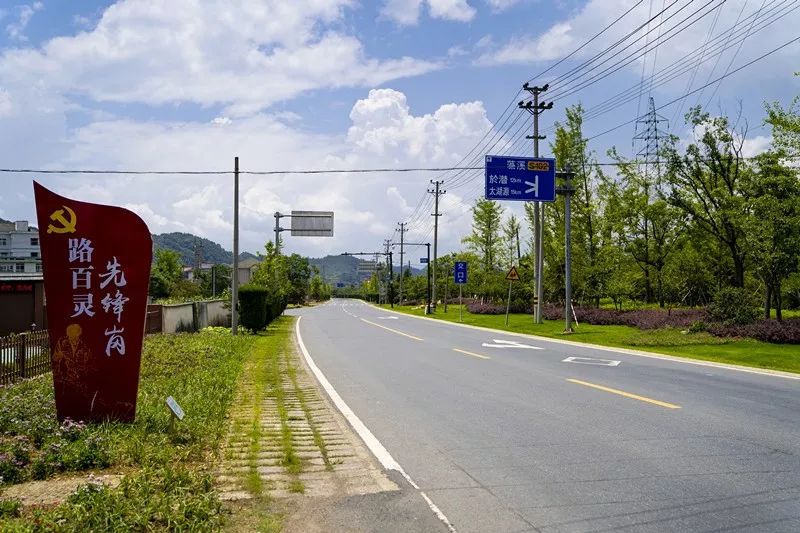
(184, 244)
(344, 268)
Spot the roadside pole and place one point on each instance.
(235, 279)
(538, 207)
(428, 272)
(460, 307)
(508, 301)
(567, 190)
(436, 194)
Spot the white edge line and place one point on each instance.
(378, 450)
(626, 351)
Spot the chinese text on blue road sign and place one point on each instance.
(520, 178)
(460, 272)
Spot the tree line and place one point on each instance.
(698, 221)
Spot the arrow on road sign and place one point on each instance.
(534, 187)
(500, 343)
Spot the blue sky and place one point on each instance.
(188, 84)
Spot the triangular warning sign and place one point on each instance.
(512, 275)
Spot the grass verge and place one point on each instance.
(168, 485)
(746, 352)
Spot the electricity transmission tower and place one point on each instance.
(650, 144)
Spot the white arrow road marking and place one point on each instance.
(387, 318)
(500, 343)
(591, 361)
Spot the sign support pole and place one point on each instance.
(460, 307)
(235, 281)
(568, 251)
(508, 301)
(428, 268)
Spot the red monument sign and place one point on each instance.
(96, 261)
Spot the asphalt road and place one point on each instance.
(512, 438)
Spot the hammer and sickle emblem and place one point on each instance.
(67, 225)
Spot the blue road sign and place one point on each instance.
(520, 178)
(423, 260)
(460, 272)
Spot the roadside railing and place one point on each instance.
(24, 355)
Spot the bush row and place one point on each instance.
(642, 319)
(259, 306)
(786, 332)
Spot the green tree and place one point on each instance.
(785, 122)
(774, 226)
(166, 273)
(570, 150)
(709, 185)
(647, 223)
(299, 271)
(214, 282)
(485, 242)
(511, 249)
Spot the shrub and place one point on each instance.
(733, 305)
(786, 332)
(698, 327)
(10, 508)
(253, 310)
(477, 308)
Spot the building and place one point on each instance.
(18, 240)
(20, 255)
(246, 269)
(22, 299)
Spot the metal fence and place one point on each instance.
(24, 355)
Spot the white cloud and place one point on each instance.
(501, 5)
(384, 132)
(406, 12)
(16, 30)
(403, 12)
(384, 126)
(245, 55)
(5, 103)
(756, 145)
(564, 36)
(550, 45)
(458, 10)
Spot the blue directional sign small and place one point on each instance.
(423, 260)
(460, 272)
(520, 178)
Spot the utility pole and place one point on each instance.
(388, 245)
(436, 192)
(235, 281)
(403, 229)
(536, 108)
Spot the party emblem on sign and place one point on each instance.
(67, 225)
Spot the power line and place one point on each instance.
(759, 58)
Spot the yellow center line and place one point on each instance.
(626, 394)
(392, 330)
(471, 353)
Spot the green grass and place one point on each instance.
(168, 485)
(703, 346)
